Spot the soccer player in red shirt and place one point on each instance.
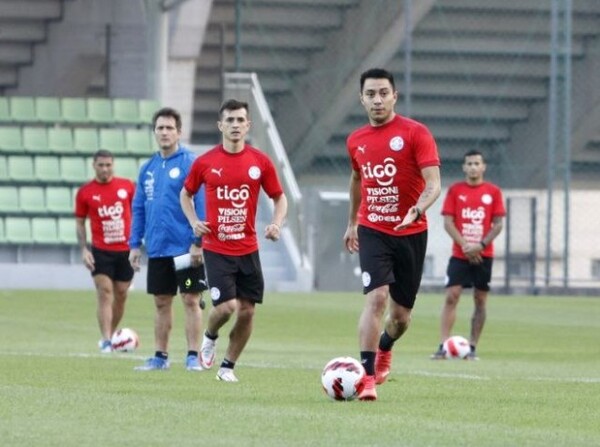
(395, 178)
(233, 174)
(473, 213)
(106, 201)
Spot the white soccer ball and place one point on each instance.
(456, 347)
(342, 378)
(125, 340)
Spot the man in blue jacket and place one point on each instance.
(174, 254)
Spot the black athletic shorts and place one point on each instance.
(234, 277)
(164, 280)
(394, 260)
(461, 272)
(114, 264)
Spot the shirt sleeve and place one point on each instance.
(138, 215)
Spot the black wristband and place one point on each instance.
(197, 242)
(483, 244)
(419, 213)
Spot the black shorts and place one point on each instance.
(114, 264)
(461, 272)
(234, 277)
(164, 280)
(393, 260)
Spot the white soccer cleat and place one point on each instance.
(226, 375)
(207, 352)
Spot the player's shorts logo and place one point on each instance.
(366, 279)
(215, 293)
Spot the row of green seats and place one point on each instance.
(36, 139)
(61, 169)
(50, 110)
(38, 230)
(37, 199)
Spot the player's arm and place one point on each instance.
(186, 199)
(273, 230)
(432, 190)
(351, 236)
(86, 254)
(497, 226)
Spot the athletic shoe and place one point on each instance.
(383, 364)
(105, 346)
(153, 364)
(192, 363)
(368, 391)
(207, 352)
(226, 375)
(471, 356)
(440, 354)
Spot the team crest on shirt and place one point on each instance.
(396, 144)
(486, 199)
(121, 193)
(254, 172)
(174, 173)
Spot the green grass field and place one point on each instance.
(537, 383)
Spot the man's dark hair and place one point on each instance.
(471, 153)
(167, 112)
(376, 73)
(103, 153)
(233, 104)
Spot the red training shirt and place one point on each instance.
(232, 186)
(108, 206)
(473, 208)
(389, 159)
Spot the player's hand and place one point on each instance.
(197, 258)
(135, 258)
(88, 259)
(201, 228)
(410, 217)
(273, 231)
(351, 238)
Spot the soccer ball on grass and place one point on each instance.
(125, 340)
(456, 347)
(342, 378)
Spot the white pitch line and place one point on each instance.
(268, 365)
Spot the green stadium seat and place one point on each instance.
(99, 110)
(138, 141)
(59, 199)
(32, 199)
(74, 110)
(125, 111)
(60, 139)
(11, 139)
(148, 107)
(113, 140)
(9, 199)
(35, 139)
(22, 109)
(18, 230)
(44, 230)
(66, 230)
(20, 168)
(127, 167)
(47, 110)
(4, 110)
(86, 140)
(3, 168)
(47, 168)
(73, 169)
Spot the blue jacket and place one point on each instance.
(158, 219)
